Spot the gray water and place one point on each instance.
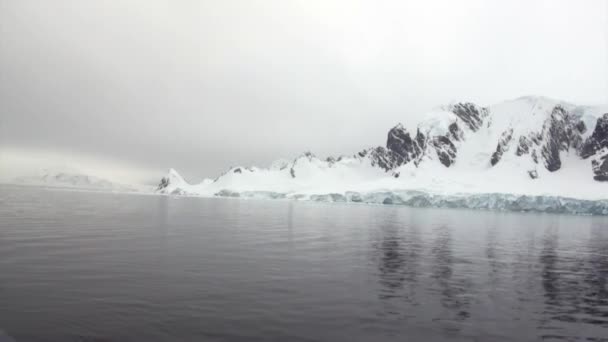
(77, 266)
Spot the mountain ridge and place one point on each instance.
(546, 141)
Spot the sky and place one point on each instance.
(130, 88)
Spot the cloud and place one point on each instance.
(202, 85)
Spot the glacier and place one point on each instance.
(498, 201)
(420, 199)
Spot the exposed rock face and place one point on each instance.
(598, 140)
(446, 150)
(560, 133)
(444, 146)
(404, 148)
(502, 147)
(164, 183)
(469, 113)
(599, 165)
(381, 157)
(171, 183)
(529, 145)
(523, 146)
(600, 168)
(455, 132)
(597, 145)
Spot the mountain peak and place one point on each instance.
(171, 182)
(529, 145)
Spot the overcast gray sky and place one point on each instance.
(202, 85)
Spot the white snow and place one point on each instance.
(470, 182)
(437, 123)
(352, 174)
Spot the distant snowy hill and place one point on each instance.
(531, 153)
(72, 179)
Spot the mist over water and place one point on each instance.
(80, 266)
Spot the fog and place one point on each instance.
(203, 85)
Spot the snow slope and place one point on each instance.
(523, 154)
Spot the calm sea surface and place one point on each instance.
(77, 266)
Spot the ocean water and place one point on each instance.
(81, 266)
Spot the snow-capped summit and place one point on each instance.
(172, 183)
(537, 130)
(529, 146)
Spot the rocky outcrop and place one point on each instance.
(502, 147)
(597, 145)
(598, 140)
(561, 132)
(523, 146)
(172, 183)
(529, 144)
(600, 167)
(446, 150)
(380, 157)
(445, 145)
(402, 146)
(455, 132)
(470, 114)
(164, 183)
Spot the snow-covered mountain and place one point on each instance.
(533, 148)
(73, 180)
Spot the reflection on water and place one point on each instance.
(79, 267)
(574, 283)
(571, 284)
(452, 286)
(595, 298)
